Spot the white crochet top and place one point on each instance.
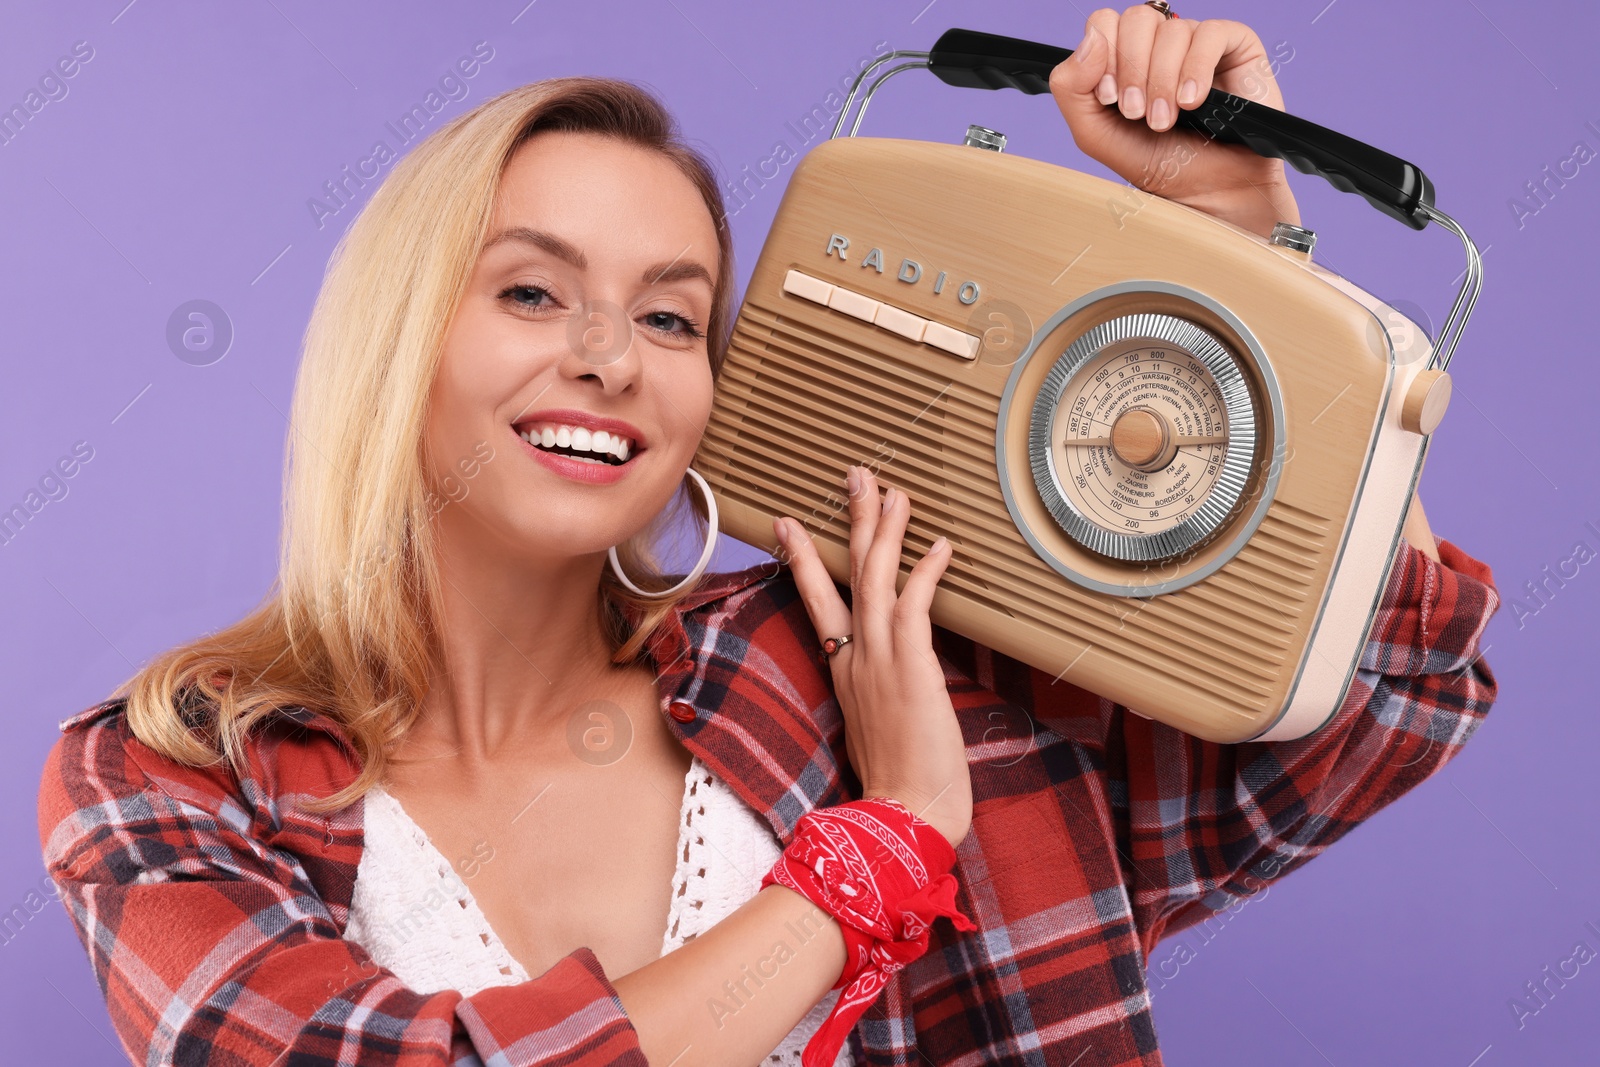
(415, 916)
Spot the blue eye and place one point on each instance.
(690, 327)
(527, 289)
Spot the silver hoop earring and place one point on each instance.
(705, 553)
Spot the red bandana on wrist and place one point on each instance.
(884, 875)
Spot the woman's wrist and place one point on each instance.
(924, 810)
(1257, 208)
(884, 875)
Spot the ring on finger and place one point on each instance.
(1162, 6)
(832, 645)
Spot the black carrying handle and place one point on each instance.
(975, 60)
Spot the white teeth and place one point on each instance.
(579, 438)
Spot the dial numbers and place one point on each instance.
(1142, 437)
(1126, 411)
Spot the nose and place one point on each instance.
(600, 346)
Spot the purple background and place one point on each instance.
(179, 166)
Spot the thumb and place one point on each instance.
(1073, 82)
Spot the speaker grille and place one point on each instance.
(796, 405)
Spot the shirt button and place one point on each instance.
(681, 710)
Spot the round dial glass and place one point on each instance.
(1142, 436)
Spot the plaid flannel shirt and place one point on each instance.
(212, 908)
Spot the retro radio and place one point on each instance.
(1173, 457)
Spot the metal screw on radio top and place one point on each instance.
(983, 137)
(1295, 237)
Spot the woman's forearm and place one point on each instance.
(731, 994)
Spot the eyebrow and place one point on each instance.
(670, 271)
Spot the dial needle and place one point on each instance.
(1179, 441)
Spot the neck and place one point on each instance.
(523, 644)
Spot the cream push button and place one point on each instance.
(952, 340)
(806, 287)
(901, 322)
(853, 303)
(897, 321)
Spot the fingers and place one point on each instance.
(881, 569)
(863, 519)
(1073, 83)
(1136, 35)
(878, 615)
(871, 607)
(1172, 43)
(1106, 21)
(1151, 66)
(1198, 67)
(1114, 66)
(911, 610)
(830, 616)
(905, 613)
(1238, 57)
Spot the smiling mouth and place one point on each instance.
(590, 446)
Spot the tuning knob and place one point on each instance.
(1425, 402)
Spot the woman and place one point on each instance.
(455, 794)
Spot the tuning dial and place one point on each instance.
(1143, 436)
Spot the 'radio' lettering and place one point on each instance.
(910, 271)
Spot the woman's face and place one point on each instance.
(583, 324)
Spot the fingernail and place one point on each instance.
(1106, 91)
(937, 545)
(782, 528)
(1189, 92)
(888, 500)
(1085, 46)
(852, 482)
(1160, 114)
(1133, 102)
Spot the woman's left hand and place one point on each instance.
(1143, 61)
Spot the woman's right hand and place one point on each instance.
(901, 732)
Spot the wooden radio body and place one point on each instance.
(1253, 632)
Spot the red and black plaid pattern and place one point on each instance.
(211, 906)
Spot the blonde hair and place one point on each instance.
(348, 629)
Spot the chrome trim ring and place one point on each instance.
(1232, 390)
